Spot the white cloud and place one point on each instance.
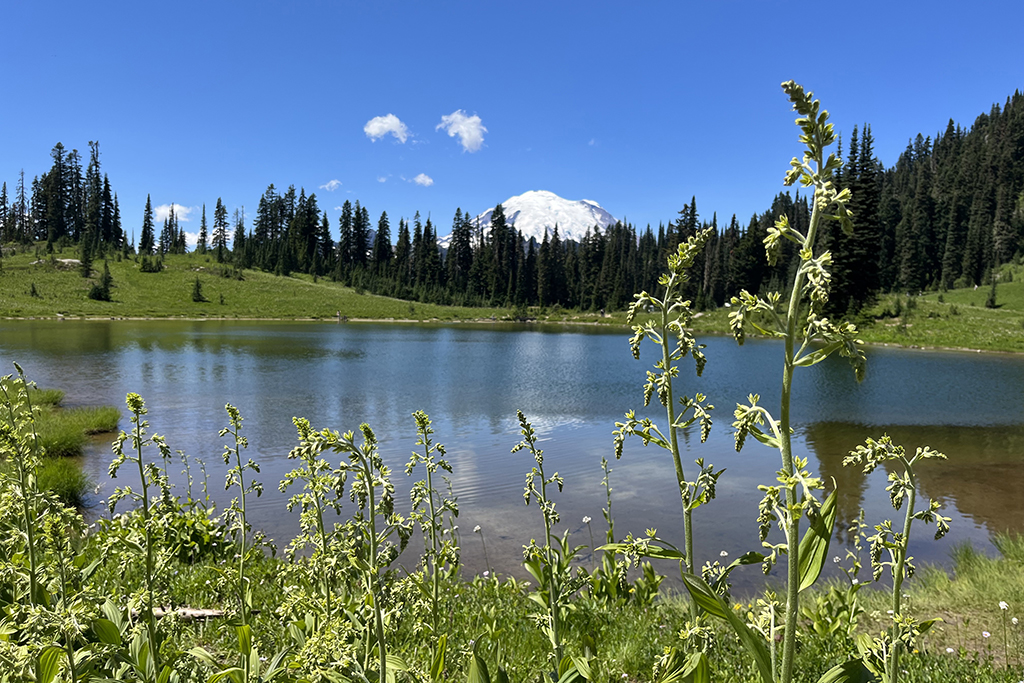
(338, 208)
(382, 179)
(192, 239)
(470, 129)
(424, 180)
(331, 185)
(160, 213)
(592, 142)
(379, 126)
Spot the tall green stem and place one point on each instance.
(24, 483)
(670, 409)
(154, 648)
(435, 576)
(786, 450)
(897, 577)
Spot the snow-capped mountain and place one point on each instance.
(535, 211)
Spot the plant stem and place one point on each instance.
(670, 409)
(150, 619)
(23, 482)
(553, 588)
(897, 576)
(786, 450)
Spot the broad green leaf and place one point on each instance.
(852, 671)
(107, 631)
(927, 624)
(697, 669)
(48, 663)
(653, 551)
(583, 666)
(244, 639)
(437, 667)
(711, 603)
(814, 544)
(478, 670)
(236, 674)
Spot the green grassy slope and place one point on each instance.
(953, 319)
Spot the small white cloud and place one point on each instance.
(424, 180)
(160, 213)
(470, 129)
(382, 179)
(337, 208)
(191, 239)
(379, 126)
(592, 142)
(331, 185)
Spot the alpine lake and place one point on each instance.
(573, 383)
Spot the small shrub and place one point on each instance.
(33, 292)
(197, 291)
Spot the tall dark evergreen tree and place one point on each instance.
(147, 239)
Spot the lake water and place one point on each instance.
(573, 383)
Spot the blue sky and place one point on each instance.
(637, 106)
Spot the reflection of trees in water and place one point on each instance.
(831, 442)
(983, 476)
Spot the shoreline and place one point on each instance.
(462, 321)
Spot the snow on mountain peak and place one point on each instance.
(537, 211)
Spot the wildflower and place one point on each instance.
(985, 634)
(949, 650)
(723, 554)
(856, 581)
(836, 559)
(1003, 606)
(476, 529)
(1014, 621)
(586, 519)
(486, 573)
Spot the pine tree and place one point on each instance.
(146, 241)
(382, 245)
(220, 230)
(201, 242)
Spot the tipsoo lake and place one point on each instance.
(572, 383)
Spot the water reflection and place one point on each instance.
(983, 476)
(573, 384)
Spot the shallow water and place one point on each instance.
(573, 383)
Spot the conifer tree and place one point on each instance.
(146, 240)
(202, 240)
(382, 245)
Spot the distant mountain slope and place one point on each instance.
(535, 211)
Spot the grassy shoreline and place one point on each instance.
(955, 320)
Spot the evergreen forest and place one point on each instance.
(946, 215)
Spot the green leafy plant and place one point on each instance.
(882, 655)
(550, 563)
(429, 510)
(236, 511)
(667, 327)
(809, 337)
(369, 544)
(154, 512)
(323, 490)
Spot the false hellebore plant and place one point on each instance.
(809, 338)
(882, 655)
(667, 329)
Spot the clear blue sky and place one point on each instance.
(637, 106)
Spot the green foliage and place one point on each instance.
(197, 292)
(668, 328)
(882, 655)
(549, 564)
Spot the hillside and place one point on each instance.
(61, 291)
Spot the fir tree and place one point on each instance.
(146, 241)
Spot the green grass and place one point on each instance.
(65, 478)
(61, 291)
(64, 431)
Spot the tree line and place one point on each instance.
(947, 214)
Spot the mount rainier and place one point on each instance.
(535, 211)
